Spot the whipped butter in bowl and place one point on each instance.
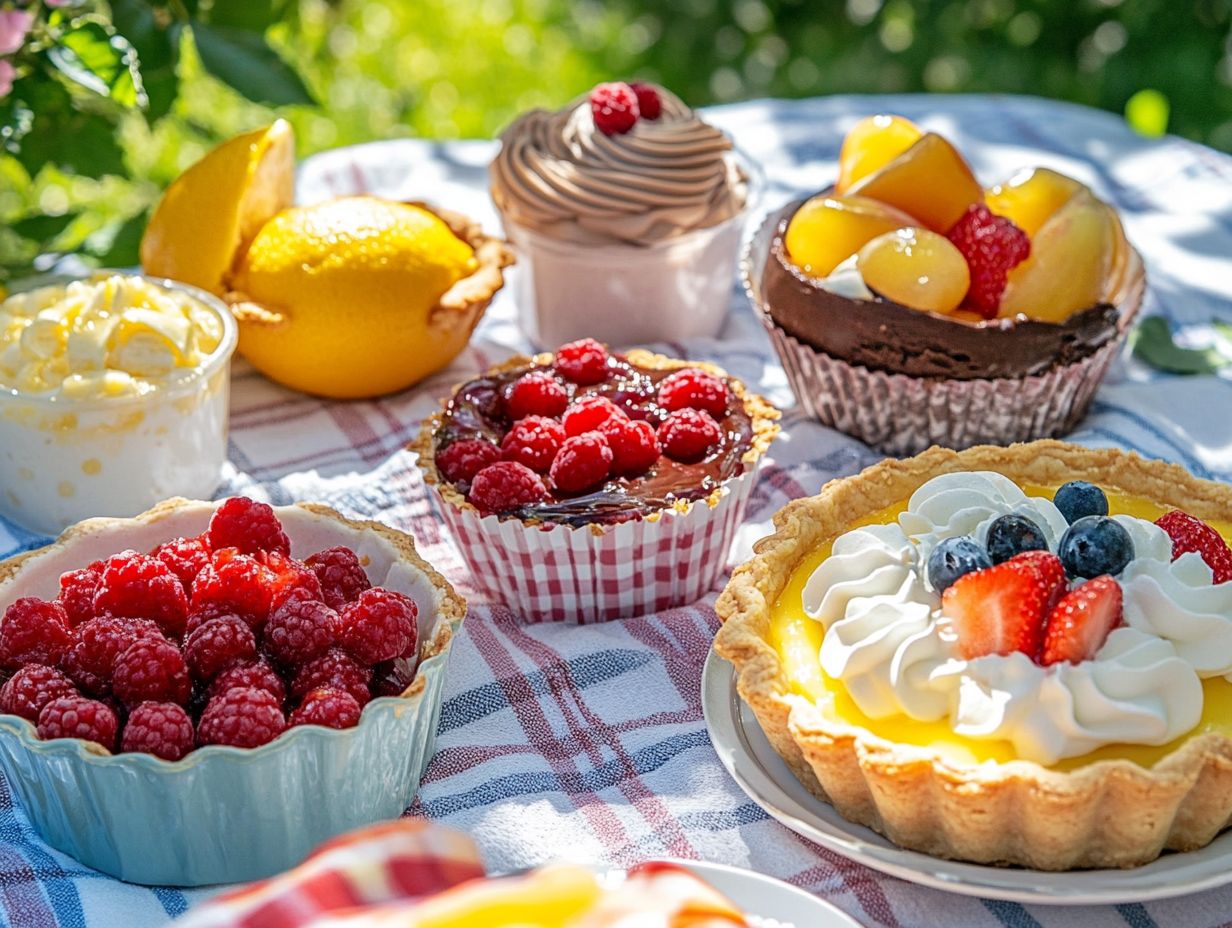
(113, 395)
(627, 230)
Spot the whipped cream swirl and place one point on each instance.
(888, 642)
(558, 175)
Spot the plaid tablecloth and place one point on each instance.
(588, 742)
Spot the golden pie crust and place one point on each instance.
(763, 417)
(1111, 813)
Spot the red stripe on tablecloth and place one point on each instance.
(655, 811)
(448, 762)
(606, 824)
(856, 879)
(683, 669)
(22, 892)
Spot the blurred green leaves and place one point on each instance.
(244, 61)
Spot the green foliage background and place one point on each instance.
(464, 68)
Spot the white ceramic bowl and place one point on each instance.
(224, 814)
(64, 460)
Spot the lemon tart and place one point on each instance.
(1005, 655)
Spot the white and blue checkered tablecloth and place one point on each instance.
(589, 741)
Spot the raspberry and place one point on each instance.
(336, 669)
(459, 461)
(536, 394)
(591, 413)
(244, 717)
(248, 526)
(234, 583)
(95, 645)
(329, 707)
(688, 434)
(142, 587)
(299, 630)
(218, 644)
(379, 626)
(649, 104)
(584, 461)
(506, 485)
(342, 576)
(694, 389)
(583, 362)
(77, 589)
(185, 557)
(151, 670)
(33, 631)
(27, 691)
(533, 441)
(289, 576)
(614, 108)
(78, 717)
(159, 728)
(635, 447)
(391, 678)
(993, 246)
(1191, 534)
(258, 673)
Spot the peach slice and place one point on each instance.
(1071, 259)
(1031, 196)
(827, 230)
(929, 181)
(915, 267)
(871, 144)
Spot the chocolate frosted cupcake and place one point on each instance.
(585, 486)
(912, 308)
(622, 203)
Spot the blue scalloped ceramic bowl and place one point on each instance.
(223, 814)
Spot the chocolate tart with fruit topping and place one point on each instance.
(906, 327)
(624, 499)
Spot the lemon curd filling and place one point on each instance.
(797, 639)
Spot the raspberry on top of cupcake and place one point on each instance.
(589, 436)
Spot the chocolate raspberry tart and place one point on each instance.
(586, 485)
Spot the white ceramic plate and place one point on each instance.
(770, 902)
(746, 753)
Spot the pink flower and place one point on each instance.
(6, 78)
(58, 3)
(14, 24)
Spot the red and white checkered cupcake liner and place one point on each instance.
(594, 573)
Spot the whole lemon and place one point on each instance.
(344, 298)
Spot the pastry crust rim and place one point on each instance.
(762, 415)
(1017, 812)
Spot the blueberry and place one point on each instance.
(1014, 534)
(1094, 546)
(954, 557)
(1079, 498)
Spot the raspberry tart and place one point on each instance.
(973, 315)
(1005, 655)
(228, 665)
(586, 485)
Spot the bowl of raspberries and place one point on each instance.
(204, 693)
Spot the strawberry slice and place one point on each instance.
(1079, 625)
(1192, 534)
(1001, 609)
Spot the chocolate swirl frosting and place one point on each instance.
(558, 175)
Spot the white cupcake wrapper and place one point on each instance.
(595, 573)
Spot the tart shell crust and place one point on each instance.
(1111, 813)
